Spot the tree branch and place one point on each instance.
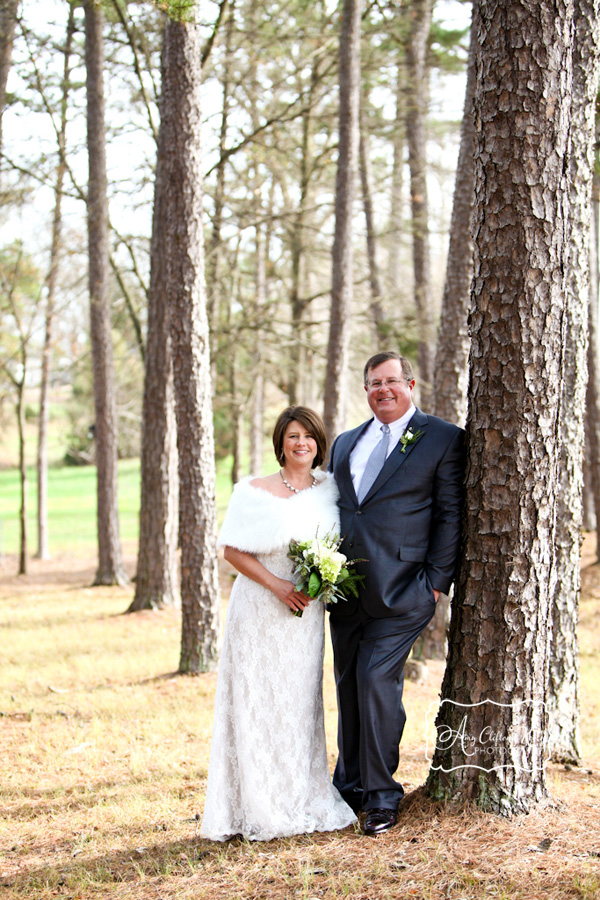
(209, 44)
(136, 65)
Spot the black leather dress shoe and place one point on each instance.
(379, 820)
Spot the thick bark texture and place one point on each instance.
(157, 582)
(563, 687)
(417, 100)
(191, 352)
(452, 355)
(342, 268)
(110, 564)
(491, 728)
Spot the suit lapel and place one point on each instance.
(418, 422)
(343, 473)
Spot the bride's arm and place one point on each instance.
(249, 566)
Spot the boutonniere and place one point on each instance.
(409, 437)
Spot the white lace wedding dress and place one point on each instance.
(268, 775)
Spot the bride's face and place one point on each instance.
(298, 444)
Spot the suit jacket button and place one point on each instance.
(359, 512)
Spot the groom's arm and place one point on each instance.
(331, 454)
(447, 496)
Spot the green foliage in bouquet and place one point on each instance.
(322, 572)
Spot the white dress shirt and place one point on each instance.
(370, 437)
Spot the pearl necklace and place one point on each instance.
(297, 490)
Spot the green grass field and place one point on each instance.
(72, 506)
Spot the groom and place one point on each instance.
(400, 477)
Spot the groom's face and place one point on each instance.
(388, 393)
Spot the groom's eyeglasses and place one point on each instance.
(386, 382)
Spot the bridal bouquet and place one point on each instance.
(321, 572)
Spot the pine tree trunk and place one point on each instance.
(396, 231)
(258, 393)
(492, 749)
(110, 565)
(213, 283)
(452, 354)
(342, 268)
(592, 410)
(43, 550)
(257, 184)
(563, 687)
(297, 249)
(417, 101)
(23, 551)
(257, 414)
(237, 424)
(200, 600)
(376, 309)
(157, 582)
(8, 19)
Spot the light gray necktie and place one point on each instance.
(374, 464)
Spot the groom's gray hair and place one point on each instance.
(384, 356)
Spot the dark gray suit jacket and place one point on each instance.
(408, 526)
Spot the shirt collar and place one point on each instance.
(399, 426)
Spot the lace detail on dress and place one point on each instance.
(268, 772)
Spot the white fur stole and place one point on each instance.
(258, 522)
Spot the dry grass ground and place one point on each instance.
(103, 757)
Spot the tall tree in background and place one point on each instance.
(157, 582)
(299, 231)
(417, 103)
(19, 304)
(377, 316)
(215, 246)
(563, 687)
(8, 18)
(110, 564)
(43, 551)
(190, 347)
(592, 404)
(257, 400)
(394, 242)
(342, 257)
(452, 354)
(501, 618)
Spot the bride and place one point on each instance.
(268, 775)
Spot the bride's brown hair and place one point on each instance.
(310, 420)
